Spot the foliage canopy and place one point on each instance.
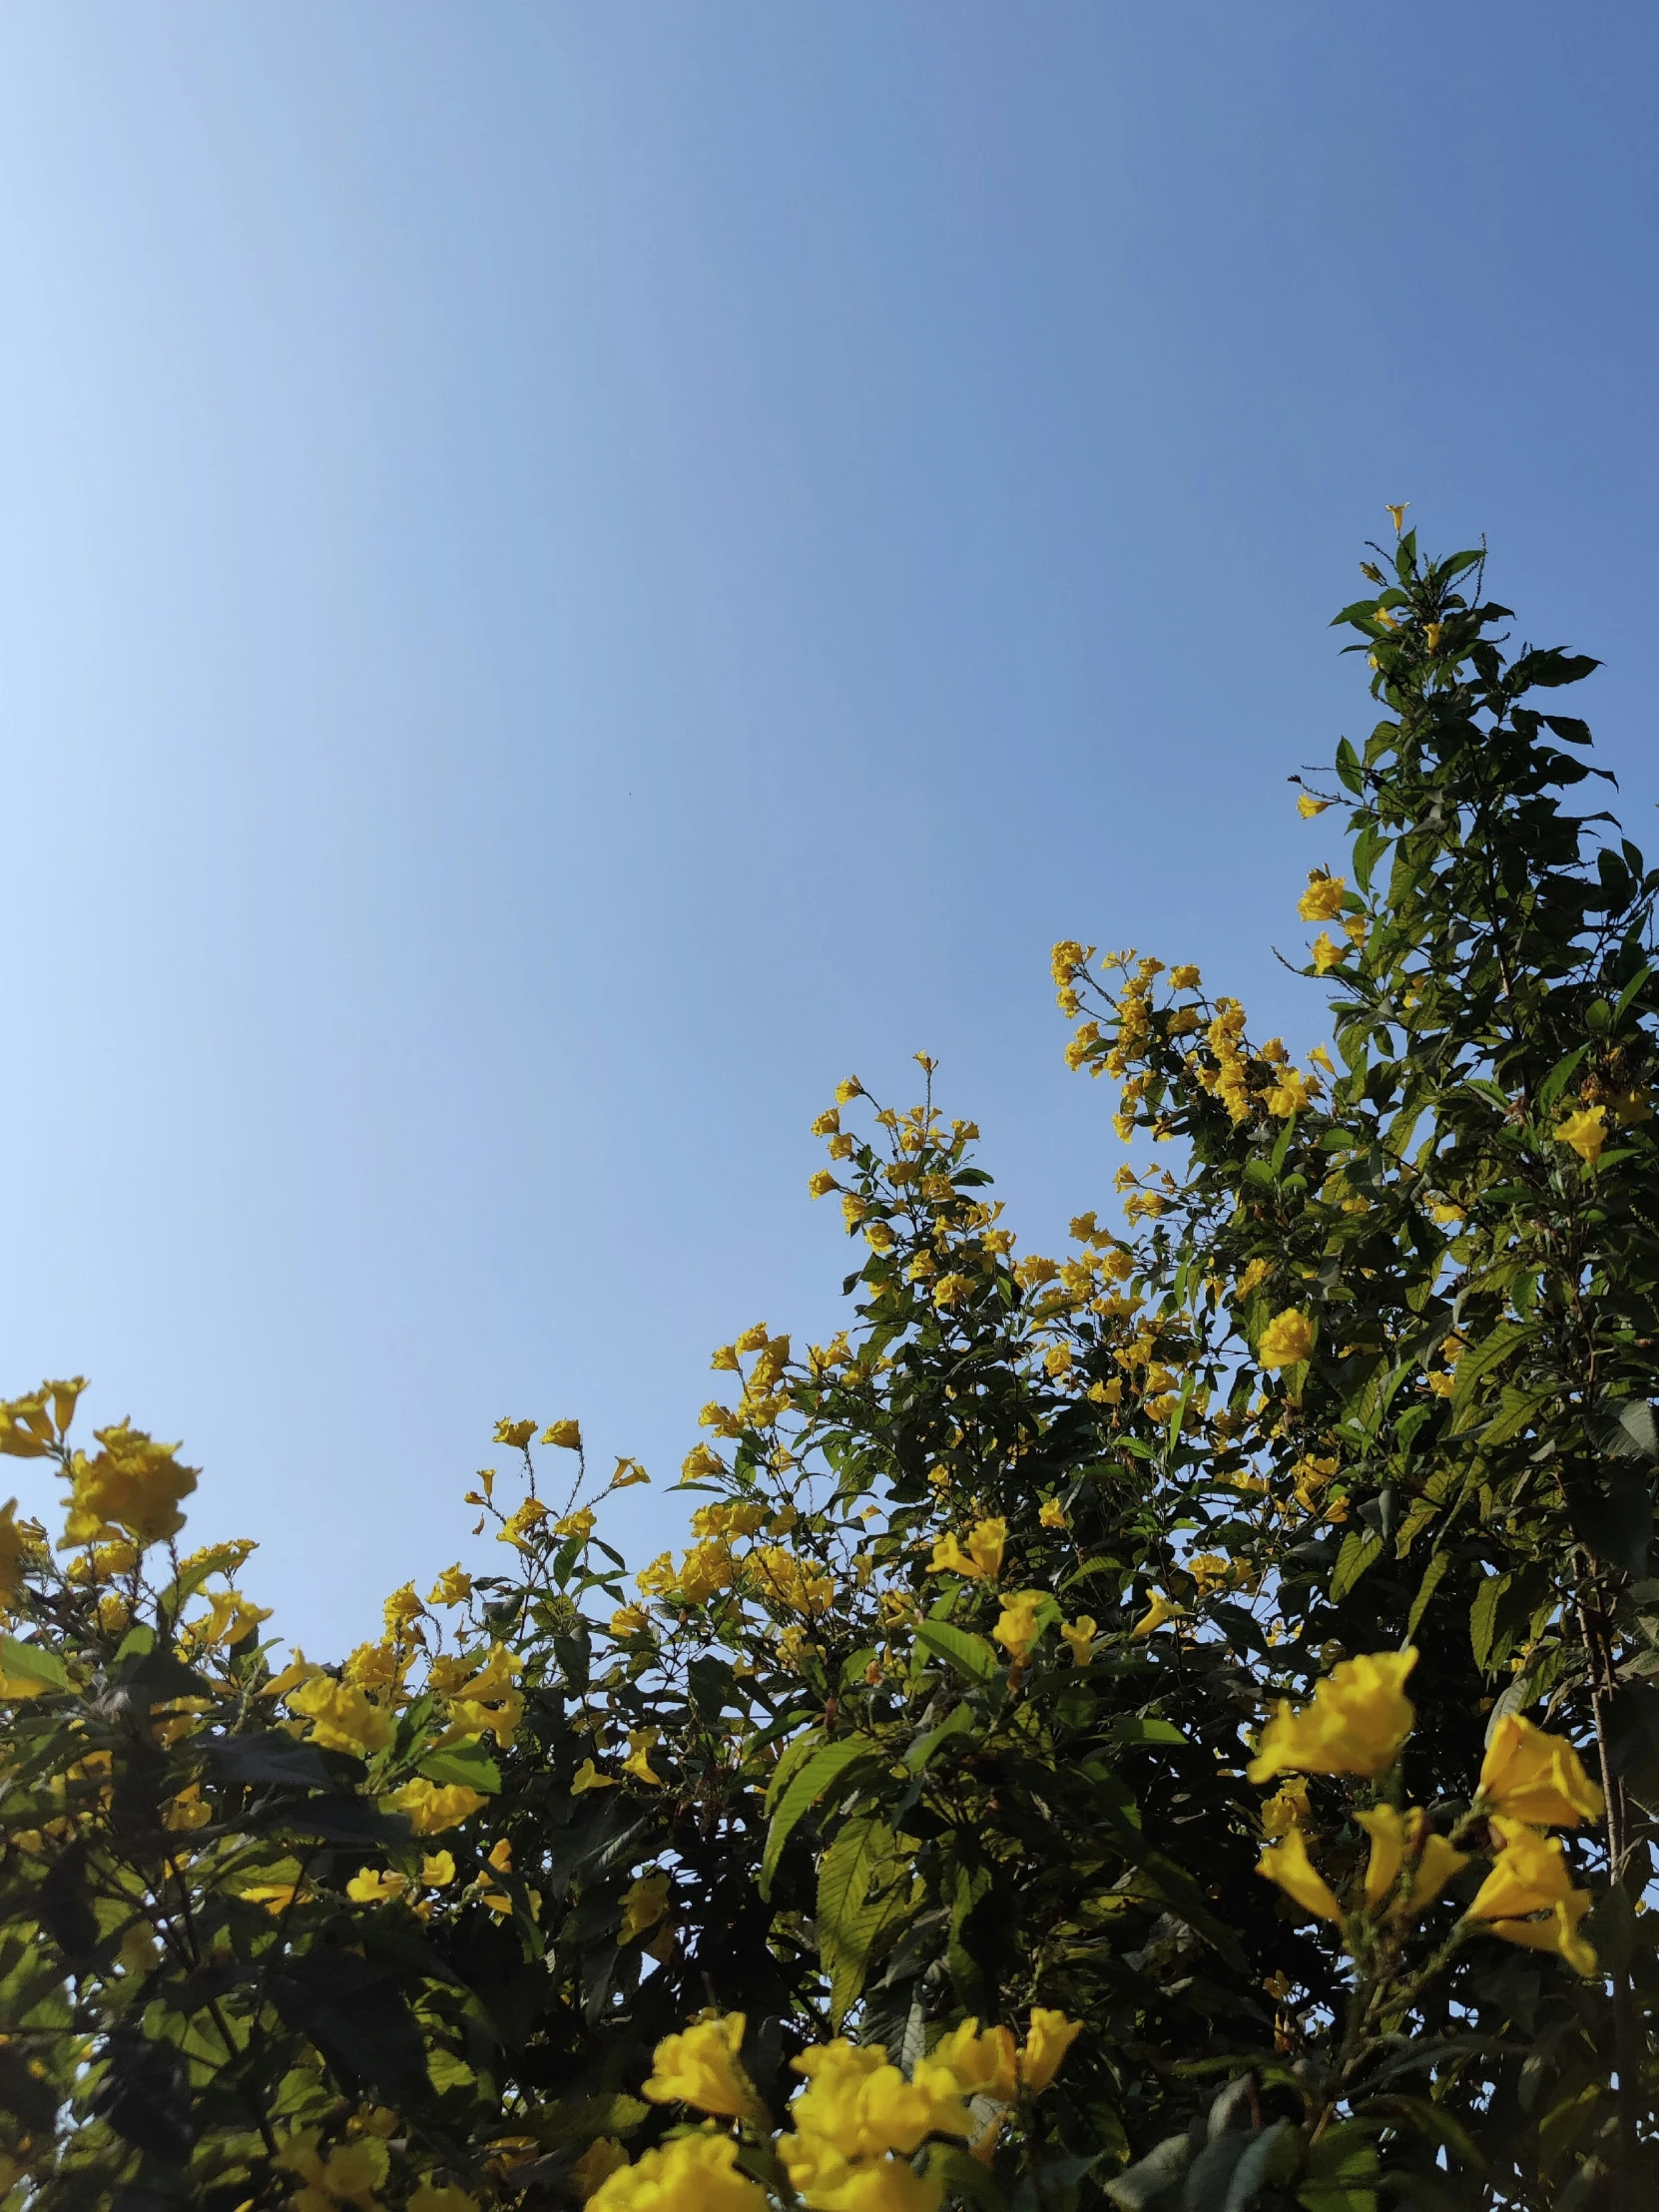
(1299, 1525)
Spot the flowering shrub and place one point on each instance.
(1168, 1726)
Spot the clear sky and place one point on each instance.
(570, 573)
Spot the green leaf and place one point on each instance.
(1433, 2121)
(31, 1663)
(1368, 848)
(272, 1758)
(849, 1917)
(353, 1821)
(1273, 2156)
(1132, 1728)
(794, 1756)
(971, 1655)
(586, 2117)
(960, 1723)
(1555, 1082)
(1483, 1617)
(1342, 2166)
(1616, 1524)
(468, 1764)
(1360, 1549)
(963, 2179)
(1630, 992)
(1433, 1576)
(1479, 1359)
(1518, 1411)
(825, 1767)
(1140, 2188)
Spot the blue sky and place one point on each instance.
(571, 573)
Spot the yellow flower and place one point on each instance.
(134, 1483)
(1053, 1514)
(485, 1698)
(1293, 1094)
(602, 2157)
(848, 1090)
(588, 1776)
(629, 1621)
(861, 2106)
(1529, 1775)
(1328, 954)
(1183, 976)
(514, 1434)
(567, 1434)
(580, 1524)
(1287, 1341)
(523, 1527)
(1016, 1628)
(1159, 1611)
(1359, 1718)
(368, 1886)
(437, 1869)
(500, 1861)
(644, 1905)
(1047, 2039)
(1403, 1838)
(1530, 1875)
(985, 2066)
(1323, 899)
(14, 1550)
(638, 1761)
(1253, 1277)
(1287, 1808)
(453, 1587)
(1307, 806)
(1446, 1213)
(983, 1560)
(821, 1183)
(800, 1585)
(1398, 516)
(701, 2068)
(628, 1473)
(1287, 1864)
(276, 1896)
(187, 1810)
(229, 1618)
(1585, 1131)
(342, 1718)
(432, 1807)
(693, 2173)
(827, 2183)
(1079, 1636)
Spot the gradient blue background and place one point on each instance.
(570, 573)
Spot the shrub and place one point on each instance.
(1169, 1726)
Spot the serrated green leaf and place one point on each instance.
(825, 1767)
(1360, 1549)
(849, 1917)
(1432, 1575)
(1483, 1617)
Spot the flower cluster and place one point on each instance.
(1357, 1722)
(852, 2132)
